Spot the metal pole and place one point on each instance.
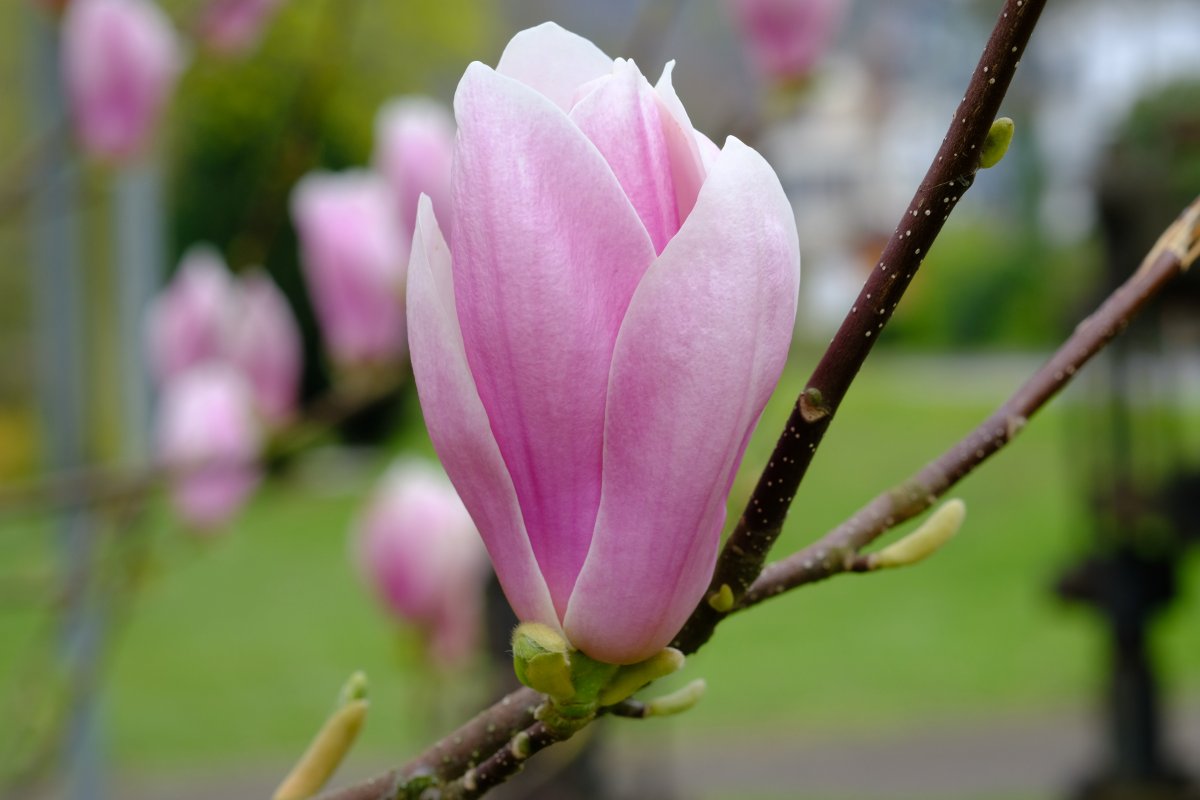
(140, 256)
(61, 390)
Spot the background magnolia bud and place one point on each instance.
(354, 264)
(784, 39)
(418, 550)
(263, 342)
(186, 323)
(121, 62)
(414, 147)
(234, 26)
(209, 440)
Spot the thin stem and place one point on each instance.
(948, 178)
(102, 484)
(485, 735)
(837, 551)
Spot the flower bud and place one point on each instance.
(354, 263)
(235, 26)
(420, 553)
(786, 38)
(209, 441)
(414, 146)
(263, 342)
(597, 340)
(186, 323)
(121, 62)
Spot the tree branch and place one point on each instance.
(478, 741)
(949, 176)
(836, 552)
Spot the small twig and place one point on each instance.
(98, 485)
(950, 175)
(478, 740)
(837, 551)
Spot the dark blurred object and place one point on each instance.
(1144, 480)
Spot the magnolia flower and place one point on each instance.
(121, 61)
(206, 314)
(594, 348)
(786, 38)
(209, 441)
(414, 145)
(354, 262)
(421, 555)
(234, 26)
(186, 323)
(263, 342)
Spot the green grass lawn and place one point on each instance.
(233, 649)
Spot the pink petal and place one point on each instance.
(688, 166)
(624, 119)
(547, 253)
(208, 437)
(702, 347)
(458, 424)
(554, 62)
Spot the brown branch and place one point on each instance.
(480, 739)
(950, 175)
(837, 551)
(503, 764)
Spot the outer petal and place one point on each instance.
(624, 119)
(553, 61)
(547, 253)
(699, 354)
(458, 424)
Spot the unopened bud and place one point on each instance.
(632, 677)
(995, 145)
(925, 540)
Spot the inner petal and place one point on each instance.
(623, 117)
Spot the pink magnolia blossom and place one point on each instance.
(354, 261)
(209, 439)
(419, 551)
(263, 342)
(595, 346)
(206, 314)
(186, 324)
(786, 38)
(121, 61)
(414, 146)
(234, 26)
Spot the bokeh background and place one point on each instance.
(199, 667)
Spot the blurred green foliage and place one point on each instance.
(995, 285)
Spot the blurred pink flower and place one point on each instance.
(263, 342)
(209, 441)
(354, 264)
(594, 346)
(419, 551)
(414, 147)
(121, 61)
(786, 38)
(186, 323)
(235, 26)
(206, 314)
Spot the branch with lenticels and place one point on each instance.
(838, 550)
(949, 176)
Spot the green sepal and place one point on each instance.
(678, 701)
(632, 677)
(542, 660)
